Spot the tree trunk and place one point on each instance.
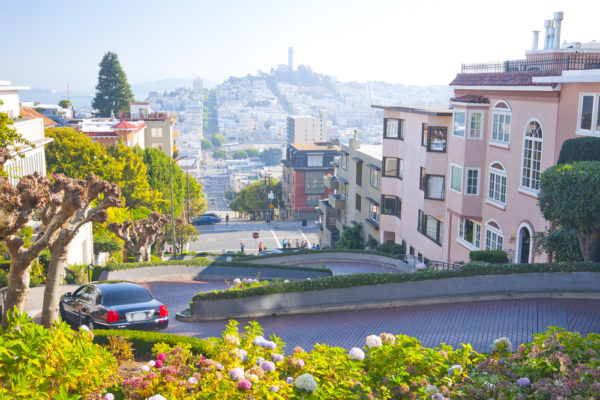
(147, 251)
(589, 243)
(18, 287)
(54, 279)
(138, 255)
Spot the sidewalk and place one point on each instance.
(35, 298)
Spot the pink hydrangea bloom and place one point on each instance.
(161, 357)
(108, 396)
(300, 363)
(158, 364)
(244, 384)
(236, 374)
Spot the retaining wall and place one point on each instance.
(489, 287)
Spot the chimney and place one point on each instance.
(536, 37)
(548, 35)
(355, 143)
(558, 17)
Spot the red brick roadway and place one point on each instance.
(478, 323)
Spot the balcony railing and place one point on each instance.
(337, 201)
(537, 64)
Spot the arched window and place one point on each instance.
(493, 236)
(501, 119)
(497, 184)
(532, 156)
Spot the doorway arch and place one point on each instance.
(524, 244)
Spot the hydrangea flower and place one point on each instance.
(258, 341)
(373, 341)
(300, 363)
(356, 354)
(387, 338)
(144, 368)
(232, 340)
(151, 363)
(192, 380)
(270, 344)
(253, 378)
(259, 360)
(157, 397)
(268, 366)
(277, 357)
(236, 374)
(237, 281)
(452, 369)
(158, 364)
(109, 396)
(503, 344)
(161, 357)
(306, 382)
(240, 353)
(289, 380)
(274, 388)
(523, 382)
(431, 389)
(244, 384)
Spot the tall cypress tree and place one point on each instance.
(113, 93)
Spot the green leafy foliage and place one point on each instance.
(218, 140)
(561, 244)
(391, 247)
(252, 152)
(206, 144)
(219, 154)
(40, 363)
(113, 93)
(240, 155)
(356, 280)
(65, 103)
(106, 245)
(579, 149)
(489, 256)
(9, 136)
(351, 238)
(254, 196)
(184, 233)
(271, 156)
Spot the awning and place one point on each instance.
(357, 159)
(342, 180)
(373, 201)
(375, 167)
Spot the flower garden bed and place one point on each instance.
(246, 365)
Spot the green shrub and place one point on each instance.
(3, 278)
(40, 363)
(579, 149)
(391, 247)
(78, 274)
(351, 238)
(489, 256)
(356, 280)
(143, 341)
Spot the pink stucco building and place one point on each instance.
(506, 124)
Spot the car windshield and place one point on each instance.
(126, 295)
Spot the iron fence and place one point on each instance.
(538, 64)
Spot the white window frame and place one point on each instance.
(531, 189)
(464, 113)
(314, 158)
(452, 166)
(496, 232)
(595, 115)
(506, 112)
(476, 234)
(471, 113)
(157, 132)
(499, 174)
(375, 173)
(478, 171)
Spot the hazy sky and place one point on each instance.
(49, 43)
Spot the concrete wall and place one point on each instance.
(188, 272)
(299, 259)
(577, 284)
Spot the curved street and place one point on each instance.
(477, 323)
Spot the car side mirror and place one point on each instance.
(68, 294)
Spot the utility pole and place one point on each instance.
(187, 198)
(172, 206)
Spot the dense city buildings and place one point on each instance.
(304, 166)
(479, 165)
(356, 193)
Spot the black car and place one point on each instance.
(113, 305)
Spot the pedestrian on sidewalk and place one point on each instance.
(297, 244)
(226, 218)
(260, 247)
(242, 246)
(283, 243)
(289, 244)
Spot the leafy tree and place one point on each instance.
(219, 154)
(252, 152)
(76, 155)
(9, 137)
(218, 140)
(206, 144)
(139, 236)
(105, 245)
(351, 238)
(113, 93)
(254, 196)
(184, 233)
(568, 198)
(229, 195)
(240, 155)
(271, 156)
(132, 178)
(561, 244)
(65, 103)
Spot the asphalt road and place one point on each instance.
(222, 236)
(478, 323)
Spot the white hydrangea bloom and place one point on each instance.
(373, 341)
(356, 354)
(306, 382)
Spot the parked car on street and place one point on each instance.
(214, 215)
(270, 251)
(113, 305)
(205, 220)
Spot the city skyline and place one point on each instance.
(350, 40)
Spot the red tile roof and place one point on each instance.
(503, 79)
(27, 113)
(125, 126)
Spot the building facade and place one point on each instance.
(507, 124)
(304, 166)
(159, 131)
(356, 194)
(304, 129)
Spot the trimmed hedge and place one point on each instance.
(143, 341)
(356, 280)
(489, 256)
(310, 251)
(579, 149)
